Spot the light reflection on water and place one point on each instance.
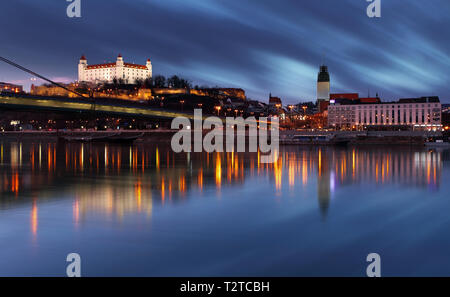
(100, 196)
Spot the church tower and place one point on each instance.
(323, 84)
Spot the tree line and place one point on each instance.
(158, 81)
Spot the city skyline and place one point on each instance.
(219, 147)
(264, 47)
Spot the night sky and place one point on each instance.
(261, 46)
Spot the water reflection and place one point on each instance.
(118, 180)
(34, 218)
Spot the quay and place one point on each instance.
(293, 137)
(287, 137)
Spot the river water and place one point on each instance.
(142, 210)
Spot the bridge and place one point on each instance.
(104, 106)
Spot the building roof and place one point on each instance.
(376, 100)
(108, 65)
(431, 99)
(274, 100)
(370, 100)
(9, 84)
(130, 65)
(351, 96)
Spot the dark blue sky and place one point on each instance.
(260, 45)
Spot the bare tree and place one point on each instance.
(159, 81)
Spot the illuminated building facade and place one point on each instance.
(417, 113)
(10, 88)
(127, 72)
(219, 93)
(275, 102)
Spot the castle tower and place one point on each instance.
(120, 71)
(323, 84)
(149, 67)
(81, 68)
(119, 61)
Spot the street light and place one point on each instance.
(182, 102)
(218, 108)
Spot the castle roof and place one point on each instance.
(109, 65)
(106, 65)
(130, 65)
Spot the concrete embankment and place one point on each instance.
(147, 135)
(365, 137)
(165, 136)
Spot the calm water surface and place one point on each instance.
(145, 211)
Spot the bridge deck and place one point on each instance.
(110, 106)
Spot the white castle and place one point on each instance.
(108, 72)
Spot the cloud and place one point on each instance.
(260, 45)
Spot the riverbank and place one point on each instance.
(165, 136)
(358, 137)
(158, 135)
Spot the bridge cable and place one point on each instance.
(40, 76)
